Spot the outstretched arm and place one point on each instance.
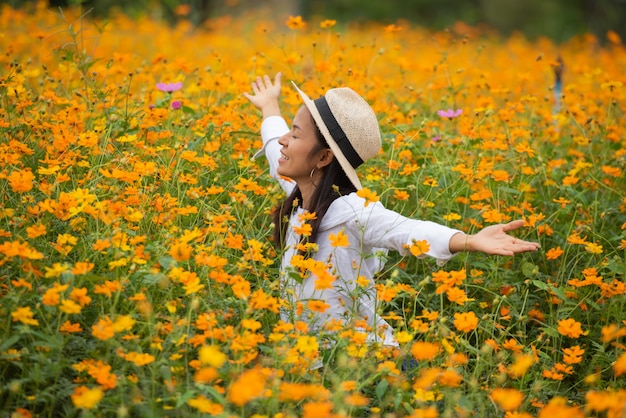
(493, 240)
(266, 95)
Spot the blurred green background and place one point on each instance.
(557, 19)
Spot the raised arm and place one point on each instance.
(493, 240)
(266, 95)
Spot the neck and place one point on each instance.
(307, 189)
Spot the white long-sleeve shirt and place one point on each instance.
(371, 230)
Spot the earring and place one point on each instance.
(311, 176)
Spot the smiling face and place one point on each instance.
(302, 151)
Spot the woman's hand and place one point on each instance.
(266, 95)
(493, 240)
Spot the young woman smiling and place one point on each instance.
(315, 163)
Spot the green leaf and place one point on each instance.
(529, 270)
(184, 398)
(6, 344)
(541, 285)
(381, 388)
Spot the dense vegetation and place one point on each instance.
(137, 274)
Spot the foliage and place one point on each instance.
(137, 275)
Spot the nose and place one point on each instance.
(283, 139)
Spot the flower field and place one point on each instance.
(137, 272)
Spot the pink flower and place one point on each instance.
(176, 104)
(450, 114)
(169, 87)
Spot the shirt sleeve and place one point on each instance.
(384, 228)
(272, 128)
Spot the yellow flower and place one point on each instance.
(521, 365)
(307, 345)
(85, 398)
(24, 315)
(593, 248)
(211, 355)
(205, 406)
(70, 307)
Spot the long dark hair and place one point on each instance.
(333, 184)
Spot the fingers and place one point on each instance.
(513, 225)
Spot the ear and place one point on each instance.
(325, 158)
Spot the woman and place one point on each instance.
(331, 281)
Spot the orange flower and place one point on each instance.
(317, 409)
(558, 407)
(620, 365)
(21, 181)
(465, 322)
(318, 306)
(422, 350)
(248, 386)
(36, 231)
(507, 398)
(339, 240)
(573, 355)
(419, 248)
(368, 195)
(295, 23)
(69, 327)
(304, 230)
(327, 23)
(570, 328)
(554, 253)
(103, 329)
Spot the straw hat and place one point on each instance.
(349, 126)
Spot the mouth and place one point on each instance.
(283, 156)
